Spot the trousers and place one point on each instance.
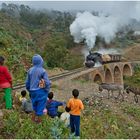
(75, 124)
(8, 97)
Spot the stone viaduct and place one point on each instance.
(109, 73)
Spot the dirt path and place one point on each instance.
(63, 89)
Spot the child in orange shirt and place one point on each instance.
(75, 106)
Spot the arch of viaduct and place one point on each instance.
(109, 73)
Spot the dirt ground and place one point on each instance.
(63, 88)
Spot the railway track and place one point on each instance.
(54, 77)
(62, 75)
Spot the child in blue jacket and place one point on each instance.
(38, 94)
(52, 106)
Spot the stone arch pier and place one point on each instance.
(109, 73)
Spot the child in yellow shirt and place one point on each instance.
(75, 106)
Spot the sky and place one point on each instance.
(106, 6)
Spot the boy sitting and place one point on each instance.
(52, 106)
(26, 103)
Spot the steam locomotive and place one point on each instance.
(94, 57)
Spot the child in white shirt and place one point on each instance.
(65, 116)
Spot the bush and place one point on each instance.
(20, 126)
(133, 80)
(57, 54)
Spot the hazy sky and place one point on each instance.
(73, 5)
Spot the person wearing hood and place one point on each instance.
(38, 85)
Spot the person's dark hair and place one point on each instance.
(23, 93)
(75, 93)
(67, 109)
(1, 60)
(50, 95)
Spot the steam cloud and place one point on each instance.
(87, 26)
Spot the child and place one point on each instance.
(6, 83)
(26, 103)
(22, 98)
(52, 106)
(65, 116)
(38, 90)
(75, 106)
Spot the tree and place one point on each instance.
(11, 9)
(55, 52)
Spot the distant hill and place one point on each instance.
(132, 52)
(13, 28)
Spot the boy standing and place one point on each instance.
(75, 106)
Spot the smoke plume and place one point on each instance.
(86, 27)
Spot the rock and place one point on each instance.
(130, 128)
(107, 105)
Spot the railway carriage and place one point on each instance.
(95, 57)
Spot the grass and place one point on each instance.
(134, 80)
(132, 110)
(98, 121)
(19, 125)
(102, 123)
(55, 86)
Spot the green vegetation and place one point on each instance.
(25, 31)
(13, 45)
(98, 121)
(19, 125)
(123, 40)
(135, 79)
(133, 110)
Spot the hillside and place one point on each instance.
(132, 52)
(14, 29)
(16, 45)
(19, 41)
(47, 33)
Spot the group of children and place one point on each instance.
(71, 116)
(40, 99)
